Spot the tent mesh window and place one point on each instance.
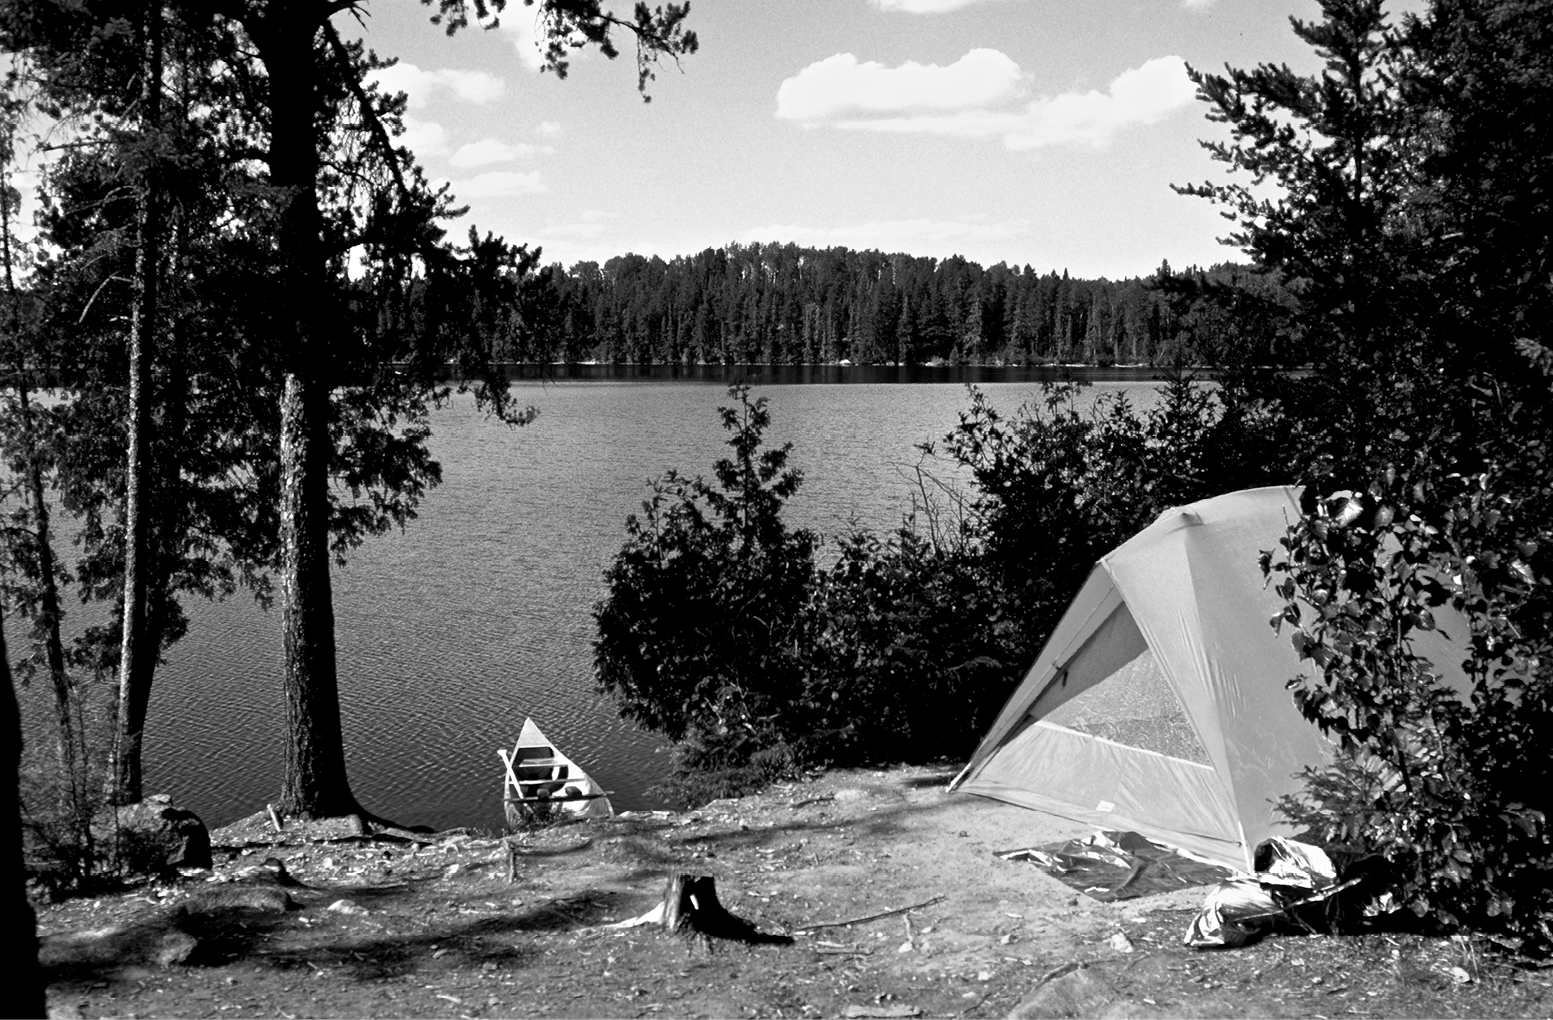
(1134, 706)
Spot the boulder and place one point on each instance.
(155, 940)
(151, 837)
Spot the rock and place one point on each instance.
(60, 1010)
(174, 947)
(265, 899)
(347, 907)
(158, 941)
(152, 837)
(1080, 993)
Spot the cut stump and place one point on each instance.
(690, 906)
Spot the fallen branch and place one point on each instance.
(822, 799)
(806, 929)
(1057, 972)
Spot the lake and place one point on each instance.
(480, 612)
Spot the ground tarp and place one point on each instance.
(1118, 865)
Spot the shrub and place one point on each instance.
(1057, 487)
(911, 652)
(1452, 789)
(698, 635)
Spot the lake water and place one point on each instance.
(480, 612)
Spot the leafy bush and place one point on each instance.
(1057, 487)
(698, 637)
(911, 652)
(1453, 788)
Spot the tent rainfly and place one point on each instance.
(1159, 703)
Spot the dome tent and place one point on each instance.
(1159, 702)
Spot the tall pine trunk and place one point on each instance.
(314, 783)
(138, 649)
(19, 928)
(48, 616)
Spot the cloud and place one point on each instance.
(971, 99)
(490, 150)
(840, 84)
(1196, 5)
(915, 236)
(419, 84)
(548, 129)
(500, 184)
(1141, 95)
(523, 26)
(923, 6)
(424, 137)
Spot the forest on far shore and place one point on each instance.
(782, 304)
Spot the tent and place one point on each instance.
(1159, 703)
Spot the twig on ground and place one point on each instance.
(805, 929)
(821, 799)
(1057, 972)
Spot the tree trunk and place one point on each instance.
(19, 930)
(691, 907)
(48, 600)
(314, 784)
(137, 654)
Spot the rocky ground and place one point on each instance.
(319, 921)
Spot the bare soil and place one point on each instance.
(436, 928)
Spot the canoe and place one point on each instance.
(543, 784)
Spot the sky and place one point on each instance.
(1044, 133)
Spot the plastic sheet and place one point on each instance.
(1118, 865)
(1293, 888)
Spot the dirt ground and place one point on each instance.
(434, 926)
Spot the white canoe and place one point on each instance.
(542, 781)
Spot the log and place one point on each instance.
(691, 907)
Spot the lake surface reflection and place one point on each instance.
(481, 611)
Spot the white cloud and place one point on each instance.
(477, 87)
(522, 29)
(1196, 5)
(914, 236)
(548, 129)
(923, 6)
(594, 215)
(419, 84)
(967, 104)
(840, 84)
(500, 184)
(424, 137)
(522, 25)
(1141, 95)
(490, 150)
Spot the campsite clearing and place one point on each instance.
(436, 929)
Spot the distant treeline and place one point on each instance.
(784, 304)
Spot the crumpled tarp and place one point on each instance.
(1118, 865)
(1293, 888)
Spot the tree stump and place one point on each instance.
(691, 907)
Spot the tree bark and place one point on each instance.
(691, 907)
(48, 602)
(25, 986)
(314, 783)
(137, 654)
